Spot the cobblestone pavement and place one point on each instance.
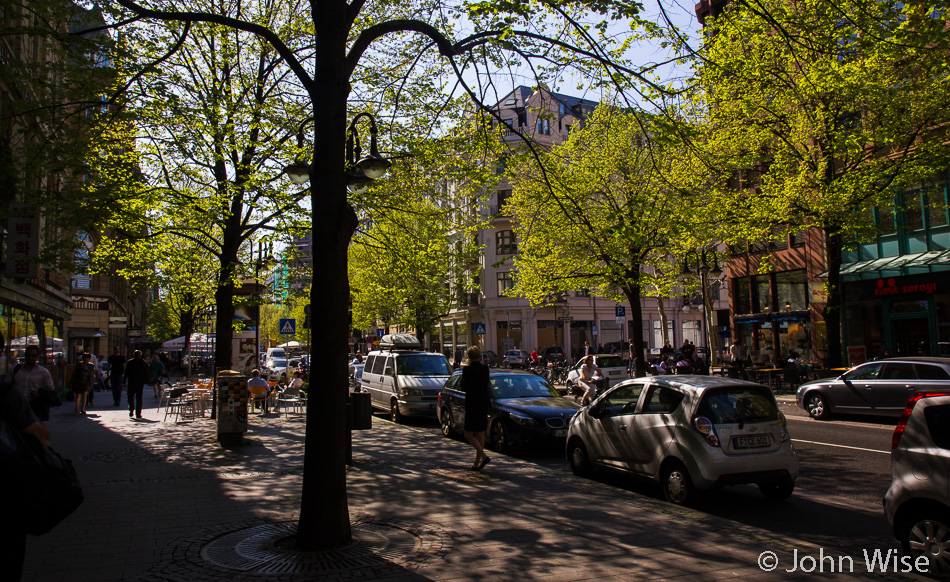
(166, 502)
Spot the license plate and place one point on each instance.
(751, 442)
(613, 373)
(559, 432)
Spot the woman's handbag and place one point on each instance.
(41, 484)
(44, 483)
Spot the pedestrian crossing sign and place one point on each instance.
(288, 326)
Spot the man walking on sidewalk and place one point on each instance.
(116, 369)
(136, 375)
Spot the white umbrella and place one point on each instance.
(34, 340)
(199, 343)
(291, 344)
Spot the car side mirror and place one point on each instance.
(388, 371)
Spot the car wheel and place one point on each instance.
(779, 491)
(577, 456)
(816, 406)
(498, 436)
(928, 534)
(394, 414)
(446, 418)
(677, 486)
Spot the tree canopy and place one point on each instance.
(817, 112)
(600, 212)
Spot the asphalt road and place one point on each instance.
(845, 470)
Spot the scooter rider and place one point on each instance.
(588, 370)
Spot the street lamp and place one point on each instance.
(361, 171)
(704, 271)
(259, 263)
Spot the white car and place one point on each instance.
(281, 370)
(688, 433)
(515, 359)
(612, 366)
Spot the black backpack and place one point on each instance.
(42, 483)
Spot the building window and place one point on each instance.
(761, 294)
(742, 295)
(503, 196)
(505, 243)
(792, 290)
(505, 282)
(544, 126)
(501, 165)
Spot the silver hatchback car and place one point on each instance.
(917, 504)
(688, 433)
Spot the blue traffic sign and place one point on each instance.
(620, 311)
(288, 326)
(479, 328)
(380, 331)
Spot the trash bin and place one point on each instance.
(362, 410)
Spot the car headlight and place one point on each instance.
(411, 392)
(522, 420)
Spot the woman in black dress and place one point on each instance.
(477, 402)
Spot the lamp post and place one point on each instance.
(360, 171)
(704, 271)
(259, 263)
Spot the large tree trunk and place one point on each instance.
(224, 318)
(633, 292)
(661, 305)
(324, 516)
(187, 327)
(832, 313)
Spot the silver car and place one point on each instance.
(881, 387)
(917, 504)
(689, 433)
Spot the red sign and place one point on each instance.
(888, 287)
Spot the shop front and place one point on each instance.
(905, 316)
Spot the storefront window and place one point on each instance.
(792, 288)
(658, 333)
(865, 322)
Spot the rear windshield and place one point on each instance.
(520, 386)
(277, 363)
(422, 365)
(611, 362)
(738, 404)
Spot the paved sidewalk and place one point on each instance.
(166, 502)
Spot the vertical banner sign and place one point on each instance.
(23, 241)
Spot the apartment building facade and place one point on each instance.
(494, 321)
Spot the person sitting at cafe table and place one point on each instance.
(258, 388)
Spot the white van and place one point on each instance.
(274, 354)
(404, 379)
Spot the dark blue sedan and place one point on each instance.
(525, 408)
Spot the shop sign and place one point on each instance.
(819, 292)
(889, 287)
(23, 241)
(857, 355)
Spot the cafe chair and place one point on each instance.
(259, 395)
